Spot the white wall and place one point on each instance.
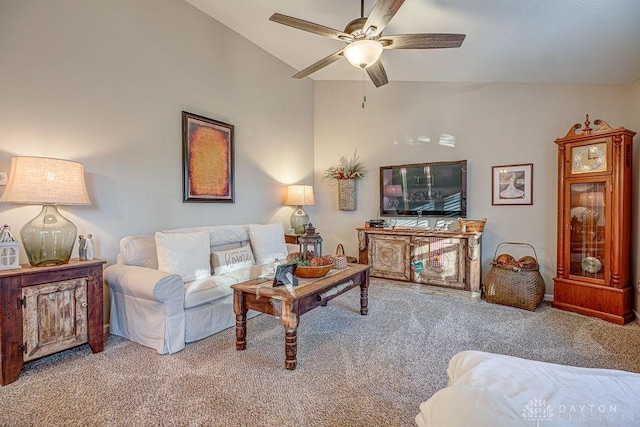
(494, 124)
(104, 83)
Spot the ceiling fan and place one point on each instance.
(365, 42)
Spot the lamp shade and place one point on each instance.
(300, 195)
(363, 53)
(41, 180)
(48, 239)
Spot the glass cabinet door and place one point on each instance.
(587, 208)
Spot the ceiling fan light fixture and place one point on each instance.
(363, 53)
(364, 40)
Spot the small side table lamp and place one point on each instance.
(298, 196)
(48, 239)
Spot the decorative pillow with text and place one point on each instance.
(232, 259)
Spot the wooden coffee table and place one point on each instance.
(290, 303)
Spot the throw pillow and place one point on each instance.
(186, 254)
(232, 259)
(267, 242)
(139, 250)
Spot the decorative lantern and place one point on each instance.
(310, 243)
(9, 249)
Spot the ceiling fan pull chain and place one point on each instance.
(364, 89)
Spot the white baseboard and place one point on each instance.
(548, 297)
(105, 329)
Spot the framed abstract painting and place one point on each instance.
(207, 154)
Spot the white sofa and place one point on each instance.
(173, 287)
(494, 390)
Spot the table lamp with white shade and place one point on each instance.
(299, 196)
(48, 239)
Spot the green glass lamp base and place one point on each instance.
(48, 239)
(299, 220)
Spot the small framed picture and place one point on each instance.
(286, 275)
(512, 184)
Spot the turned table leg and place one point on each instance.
(241, 331)
(241, 320)
(291, 348)
(290, 320)
(364, 295)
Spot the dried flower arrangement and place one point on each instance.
(347, 169)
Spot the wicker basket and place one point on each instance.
(523, 288)
(472, 225)
(347, 194)
(340, 259)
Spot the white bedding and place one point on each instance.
(495, 390)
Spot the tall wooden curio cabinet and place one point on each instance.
(594, 222)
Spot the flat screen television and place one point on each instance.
(437, 189)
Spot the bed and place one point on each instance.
(494, 390)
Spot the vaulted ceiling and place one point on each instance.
(523, 41)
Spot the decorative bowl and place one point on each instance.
(313, 272)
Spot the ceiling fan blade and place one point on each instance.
(422, 41)
(320, 64)
(310, 27)
(381, 14)
(377, 74)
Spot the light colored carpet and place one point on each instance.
(352, 370)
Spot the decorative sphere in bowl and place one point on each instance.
(319, 266)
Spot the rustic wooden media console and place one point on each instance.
(443, 258)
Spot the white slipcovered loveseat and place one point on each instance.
(173, 287)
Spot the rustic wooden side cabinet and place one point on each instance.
(48, 309)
